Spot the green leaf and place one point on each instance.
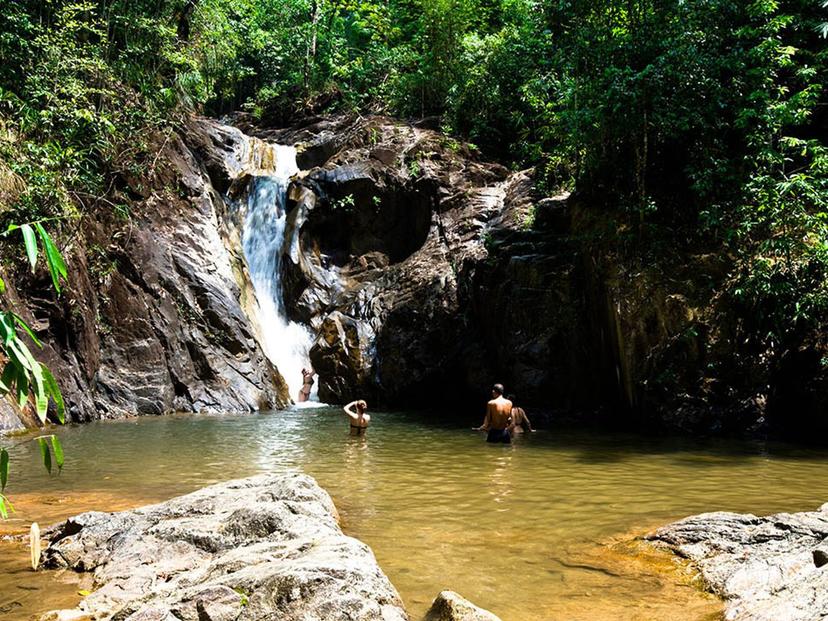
(7, 331)
(54, 391)
(19, 321)
(30, 241)
(7, 379)
(16, 350)
(4, 469)
(41, 397)
(57, 268)
(22, 385)
(57, 448)
(4, 513)
(45, 454)
(2, 286)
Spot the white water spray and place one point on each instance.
(286, 343)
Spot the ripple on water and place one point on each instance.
(537, 531)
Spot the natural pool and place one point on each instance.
(540, 530)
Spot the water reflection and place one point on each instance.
(554, 512)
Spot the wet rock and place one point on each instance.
(451, 606)
(264, 547)
(763, 567)
(553, 214)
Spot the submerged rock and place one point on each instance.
(765, 568)
(451, 606)
(266, 547)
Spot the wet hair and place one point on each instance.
(498, 388)
(361, 405)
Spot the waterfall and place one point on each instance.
(286, 343)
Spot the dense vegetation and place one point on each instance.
(700, 123)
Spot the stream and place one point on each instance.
(540, 530)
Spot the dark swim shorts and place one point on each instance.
(499, 436)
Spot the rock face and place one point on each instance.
(390, 217)
(153, 319)
(766, 568)
(266, 547)
(450, 606)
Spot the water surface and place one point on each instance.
(540, 530)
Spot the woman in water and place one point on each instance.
(359, 419)
(307, 384)
(520, 422)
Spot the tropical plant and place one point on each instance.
(22, 374)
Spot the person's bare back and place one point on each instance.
(498, 417)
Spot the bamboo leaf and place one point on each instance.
(45, 454)
(30, 241)
(22, 386)
(7, 328)
(16, 352)
(3, 511)
(4, 469)
(19, 321)
(54, 391)
(2, 286)
(57, 268)
(57, 449)
(7, 379)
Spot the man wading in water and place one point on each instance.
(359, 419)
(498, 417)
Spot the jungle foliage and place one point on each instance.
(701, 122)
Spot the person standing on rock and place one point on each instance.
(520, 422)
(498, 418)
(359, 419)
(307, 384)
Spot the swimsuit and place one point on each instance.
(360, 431)
(499, 436)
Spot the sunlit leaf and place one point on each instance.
(57, 268)
(57, 449)
(54, 391)
(22, 386)
(45, 454)
(30, 241)
(19, 321)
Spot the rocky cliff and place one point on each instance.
(425, 274)
(153, 319)
(428, 273)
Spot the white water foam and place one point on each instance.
(286, 343)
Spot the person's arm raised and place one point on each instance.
(349, 410)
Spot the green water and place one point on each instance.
(540, 530)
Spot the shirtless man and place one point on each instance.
(520, 422)
(359, 419)
(498, 417)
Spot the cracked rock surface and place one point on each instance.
(765, 568)
(267, 547)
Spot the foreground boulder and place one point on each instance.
(765, 568)
(451, 606)
(266, 547)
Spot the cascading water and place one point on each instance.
(285, 342)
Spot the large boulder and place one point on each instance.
(266, 547)
(766, 568)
